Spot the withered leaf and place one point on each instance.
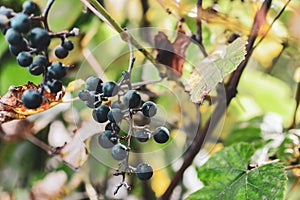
(172, 54)
(11, 106)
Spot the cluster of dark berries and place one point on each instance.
(28, 36)
(124, 104)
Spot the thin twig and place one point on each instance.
(124, 34)
(292, 167)
(198, 36)
(297, 98)
(274, 20)
(40, 144)
(45, 14)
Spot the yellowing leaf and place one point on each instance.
(214, 68)
(75, 85)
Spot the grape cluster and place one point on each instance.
(28, 36)
(112, 103)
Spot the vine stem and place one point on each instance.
(101, 12)
(198, 36)
(46, 13)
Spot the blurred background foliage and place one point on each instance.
(268, 85)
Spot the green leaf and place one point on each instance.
(226, 176)
(214, 68)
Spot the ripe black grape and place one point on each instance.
(144, 171)
(106, 139)
(149, 109)
(110, 89)
(54, 85)
(20, 23)
(161, 134)
(30, 7)
(39, 38)
(60, 52)
(84, 95)
(56, 70)
(36, 70)
(68, 45)
(132, 99)
(32, 99)
(100, 113)
(93, 83)
(24, 59)
(119, 152)
(113, 127)
(117, 104)
(13, 37)
(16, 49)
(141, 135)
(115, 115)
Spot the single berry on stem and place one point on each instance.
(142, 135)
(61, 52)
(144, 171)
(149, 109)
(110, 89)
(24, 59)
(115, 115)
(94, 83)
(100, 113)
(132, 99)
(106, 139)
(161, 135)
(119, 151)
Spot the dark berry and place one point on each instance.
(39, 38)
(106, 139)
(119, 152)
(68, 45)
(142, 135)
(161, 135)
(13, 37)
(110, 89)
(132, 99)
(93, 83)
(144, 171)
(24, 58)
(20, 23)
(16, 49)
(54, 85)
(30, 7)
(36, 70)
(56, 70)
(32, 99)
(40, 60)
(149, 109)
(60, 52)
(84, 95)
(115, 115)
(100, 113)
(113, 127)
(117, 104)
(140, 119)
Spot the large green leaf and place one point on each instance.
(214, 68)
(227, 176)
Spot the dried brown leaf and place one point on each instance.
(172, 54)
(11, 106)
